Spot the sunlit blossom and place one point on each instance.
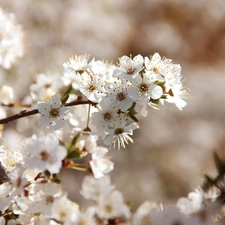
(53, 113)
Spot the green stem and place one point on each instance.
(79, 165)
(79, 168)
(88, 119)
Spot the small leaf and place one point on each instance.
(220, 165)
(133, 117)
(155, 101)
(68, 90)
(72, 144)
(73, 155)
(209, 182)
(22, 112)
(64, 99)
(131, 112)
(160, 83)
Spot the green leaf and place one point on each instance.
(160, 83)
(68, 90)
(155, 101)
(73, 155)
(133, 117)
(71, 146)
(64, 99)
(220, 165)
(131, 112)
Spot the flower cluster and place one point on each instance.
(38, 199)
(119, 89)
(91, 99)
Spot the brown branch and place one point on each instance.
(18, 116)
(79, 103)
(35, 111)
(15, 104)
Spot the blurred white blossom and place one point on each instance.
(11, 40)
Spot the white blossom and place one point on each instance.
(87, 216)
(111, 205)
(92, 86)
(9, 158)
(53, 113)
(119, 133)
(143, 211)
(11, 41)
(129, 68)
(177, 96)
(47, 84)
(143, 89)
(193, 203)
(117, 95)
(158, 65)
(104, 68)
(100, 164)
(92, 188)
(69, 78)
(77, 63)
(170, 215)
(65, 210)
(5, 196)
(6, 94)
(103, 119)
(43, 196)
(44, 154)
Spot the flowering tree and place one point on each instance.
(92, 100)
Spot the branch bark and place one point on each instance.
(35, 111)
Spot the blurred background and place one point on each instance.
(173, 149)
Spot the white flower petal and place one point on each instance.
(156, 92)
(56, 103)
(43, 107)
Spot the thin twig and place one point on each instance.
(18, 116)
(25, 113)
(78, 103)
(15, 104)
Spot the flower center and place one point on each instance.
(63, 215)
(92, 87)
(108, 208)
(107, 116)
(120, 96)
(48, 85)
(54, 112)
(118, 131)
(130, 70)
(44, 155)
(143, 88)
(49, 199)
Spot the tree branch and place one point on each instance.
(25, 113)
(18, 116)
